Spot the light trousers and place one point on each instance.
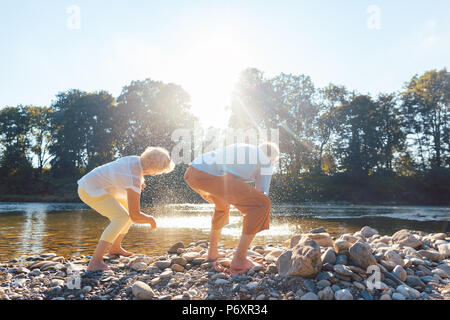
(116, 210)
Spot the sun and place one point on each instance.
(209, 70)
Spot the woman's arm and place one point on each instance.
(134, 208)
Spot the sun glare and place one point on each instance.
(209, 69)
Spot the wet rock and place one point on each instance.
(303, 260)
(385, 297)
(361, 255)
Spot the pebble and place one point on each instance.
(309, 296)
(398, 296)
(343, 294)
(185, 274)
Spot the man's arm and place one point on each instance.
(262, 182)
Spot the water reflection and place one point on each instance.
(73, 229)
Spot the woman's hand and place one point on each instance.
(152, 222)
(143, 186)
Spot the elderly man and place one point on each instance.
(221, 177)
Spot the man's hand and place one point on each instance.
(143, 186)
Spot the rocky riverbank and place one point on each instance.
(313, 266)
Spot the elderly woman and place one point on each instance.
(114, 191)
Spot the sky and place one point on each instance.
(48, 47)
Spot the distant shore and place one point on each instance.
(412, 265)
(71, 198)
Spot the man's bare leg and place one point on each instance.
(240, 263)
(213, 250)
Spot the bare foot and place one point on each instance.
(239, 265)
(120, 252)
(97, 266)
(213, 255)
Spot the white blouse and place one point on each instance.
(114, 178)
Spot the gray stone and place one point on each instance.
(175, 247)
(398, 296)
(163, 264)
(342, 259)
(368, 231)
(366, 295)
(329, 256)
(309, 296)
(318, 230)
(142, 291)
(406, 238)
(400, 273)
(361, 255)
(326, 294)
(343, 294)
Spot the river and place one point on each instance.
(74, 229)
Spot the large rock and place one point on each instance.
(302, 260)
(142, 291)
(406, 238)
(368, 232)
(322, 239)
(361, 255)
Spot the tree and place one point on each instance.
(40, 132)
(149, 111)
(14, 128)
(84, 130)
(425, 106)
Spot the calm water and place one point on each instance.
(74, 229)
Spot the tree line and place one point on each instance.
(336, 144)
